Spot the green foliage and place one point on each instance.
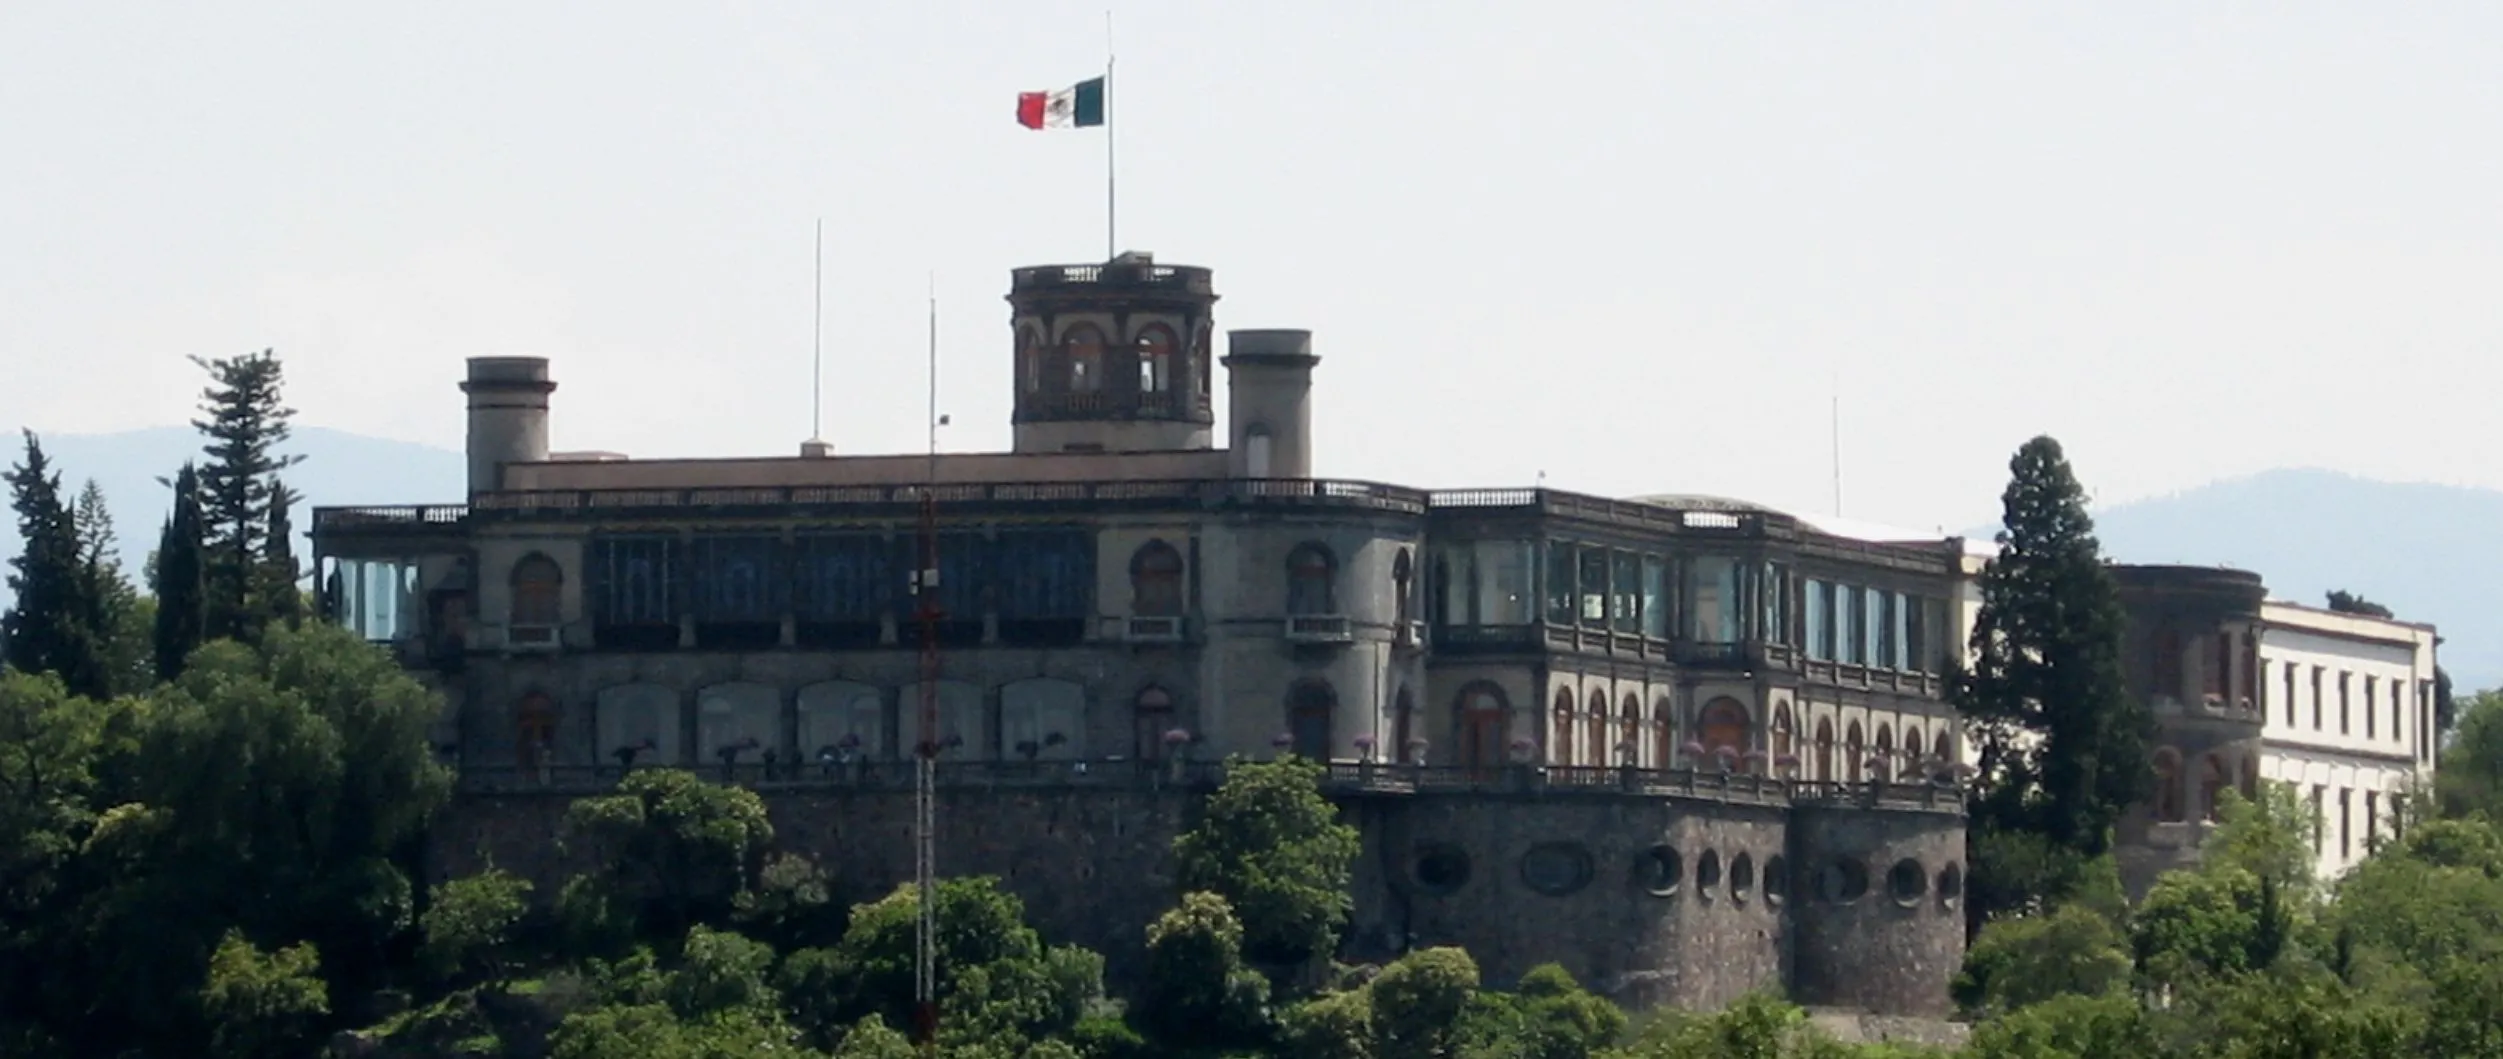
(2064, 747)
(2468, 777)
(178, 579)
(678, 848)
(1417, 1003)
(791, 906)
(2074, 1026)
(55, 622)
(246, 422)
(469, 921)
(995, 977)
(2021, 961)
(261, 1003)
(2345, 602)
(121, 616)
(1332, 1026)
(1547, 1016)
(1274, 848)
(1198, 994)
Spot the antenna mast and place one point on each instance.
(925, 800)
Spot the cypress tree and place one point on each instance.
(51, 628)
(179, 579)
(2064, 745)
(279, 600)
(245, 425)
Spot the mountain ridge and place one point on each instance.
(2411, 546)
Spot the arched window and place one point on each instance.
(1403, 587)
(1722, 726)
(1310, 574)
(1825, 750)
(2168, 780)
(1029, 361)
(1853, 752)
(2213, 780)
(1595, 731)
(1480, 735)
(1884, 755)
(538, 596)
(1629, 748)
(1914, 747)
(2251, 777)
(1155, 353)
(1151, 718)
(534, 731)
(1200, 361)
(1156, 580)
(1309, 706)
(1560, 746)
(1083, 345)
(1663, 733)
(1783, 741)
(1946, 746)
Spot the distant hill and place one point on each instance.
(338, 468)
(2419, 549)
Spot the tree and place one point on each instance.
(469, 921)
(2345, 602)
(246, 423)
(52, 627)
(1198, 994)
(178, 578)
(121, 634)
(678, 848)
(2064, 746)
(262, 1003)
(1276, 851)
(279, 598)
(2469, 778)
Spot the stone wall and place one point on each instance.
(1688, 901)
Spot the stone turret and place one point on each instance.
(1269, 403)
(508, 416)
(1112, 357)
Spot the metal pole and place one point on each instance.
(1112, 240)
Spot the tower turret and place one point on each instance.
(1112, 357)
(508, 416)
(1268, 382)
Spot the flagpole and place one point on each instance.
(1112, 214)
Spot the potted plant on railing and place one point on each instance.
(1693, 750)
(1755, 760)
(1416, 753)
(1177, 743)
(1787, 767)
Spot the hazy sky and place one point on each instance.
(1632, 245)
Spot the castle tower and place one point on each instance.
(1269, 403)
(508, 416)
(1112, 357)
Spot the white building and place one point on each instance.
(2349, 705)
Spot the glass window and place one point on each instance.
(1156, 580)
(1716, 603)
(1819, 623)
(1309, 575)
(1916, 651)
(1889, 629)
(1504, 589)
(1625, 607)
(1455, 578)
(1085, 346)
(1593, 586)
(1655, 597)
(1155, 350)
(1776, 604)
(1855, 632)
(1560, 601)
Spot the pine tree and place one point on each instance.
(2064, 745)
(245, 425)
(177, 576)
(120, 641)
(51, 629)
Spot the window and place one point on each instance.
(1480, 735)
(1403, 585)
(2320, 820)
(1560, 745)
(1562, 604)
(538, 593)
(1309, 708)
(2346, 823)
(2218, 670)
(2288, 669)
(1775, 620)
(2213, 779)
(1629, 748)
(1722, 726)
(1825, 749)
(1820, 621)
(1855, 633)
(1256, 451)
(2317, 672)
(1917, 655)
(1782, 739)
(1084, 346)
(1717, 608)
(1592, 584)
(2372, 707)
(1854, 757)
(1883, 755)
(2166, 665)
(1889, 630)
(1156, 580)
(1043, 585)
(1625, 601)
(1199, 360)
(1310, 573)
(534, 730)
(2372, 820)
(1946, 747)
(1663, 733)
(2346, 682)
(1151, 717)
(2398, 711)
(1595, 731)
(2168, 787)
(1655, 602)
(1155, 353)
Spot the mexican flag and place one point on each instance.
(1079, 106)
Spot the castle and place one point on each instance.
(1687, 747)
